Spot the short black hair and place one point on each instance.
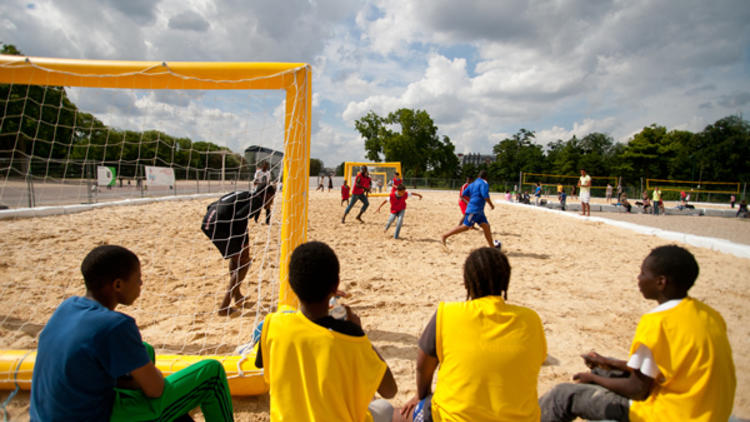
(482, 174)
(486, 273)
(313, 271)
(675, 263)
(401, 187)
(105, 264)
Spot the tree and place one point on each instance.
(646, 154)
(723, 150)
(516, 154)
(315, 166)
(340, 168)
(416, 144)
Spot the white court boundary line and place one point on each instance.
(712, 243)
(76, 208)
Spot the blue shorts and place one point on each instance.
(475, 218)
(423, 410)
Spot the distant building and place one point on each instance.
(475, 159)
(255, 154)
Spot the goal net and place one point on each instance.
(381, 174)
(700, 186)
(81, 138)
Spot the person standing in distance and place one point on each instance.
(584, 183)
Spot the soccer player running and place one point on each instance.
(362, 185)
(476, 195)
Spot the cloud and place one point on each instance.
(738, 99)
(142, 12)
(481, 69)
(188, 21)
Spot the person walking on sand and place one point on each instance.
(584, 184)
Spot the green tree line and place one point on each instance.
(44, 133)
(721, 152)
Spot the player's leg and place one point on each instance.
(352, 200)
(399, 223)
(202, 384)
(366, 203)
(466, 224)
(239, 264)
(391, 217)
(487, 233)
(567, 401)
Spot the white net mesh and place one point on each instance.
(74, 154)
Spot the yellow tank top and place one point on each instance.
(690, 345)
(490, 354)
(317, 374)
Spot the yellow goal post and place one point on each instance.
(694, 186)
(567, 181)
(385, 170)
(295, 79)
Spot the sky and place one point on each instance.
(482, 69)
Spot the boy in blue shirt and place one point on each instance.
(476, 196)
(92, 365)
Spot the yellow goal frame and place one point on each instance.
(294, 78)
(349, 167)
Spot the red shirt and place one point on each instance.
(396, 182)
(461, 202)
(363, 181)
(344, 192)
(398, 203)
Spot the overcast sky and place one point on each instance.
(482, 69)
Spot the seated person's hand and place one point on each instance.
(583, 377)
(595, 360)
(351, 316)
(406, 411)
(342, 293)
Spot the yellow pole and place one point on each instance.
(296, 181)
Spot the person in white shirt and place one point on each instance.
(584, 183)
(262, 174)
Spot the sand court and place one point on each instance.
(578, 274)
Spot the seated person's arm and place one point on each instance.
(149, 379)
(388, 387)
(426, 366)
(636, 386)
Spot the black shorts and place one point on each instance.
(229, 243)
(225, 223)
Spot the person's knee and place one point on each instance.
(381, 410)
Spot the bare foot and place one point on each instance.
(360, 220)
(229, 312)
(442, 239)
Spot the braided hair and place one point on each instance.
(486, 273)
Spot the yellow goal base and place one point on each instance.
(17, 366)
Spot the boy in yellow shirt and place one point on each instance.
(487, 352)
(680, 366)
(320, 368)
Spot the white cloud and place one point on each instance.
(482, 69)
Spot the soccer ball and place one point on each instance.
(498, 244)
